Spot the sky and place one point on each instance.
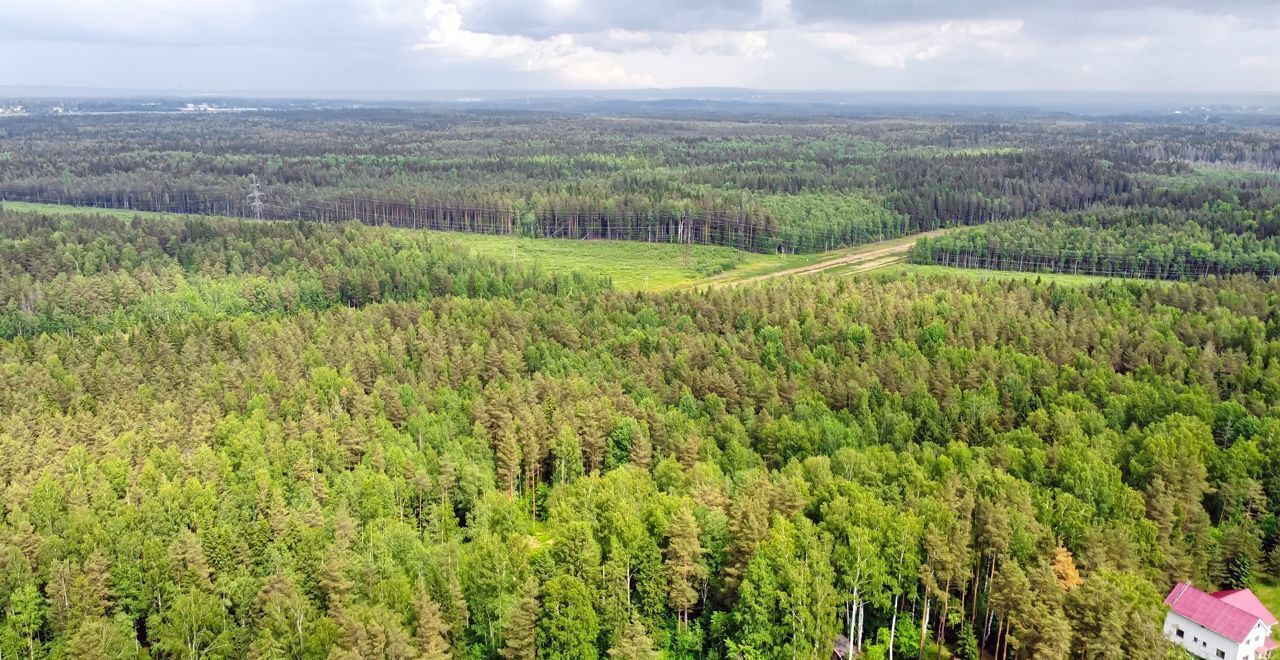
(847, 45)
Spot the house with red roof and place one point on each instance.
(1230, 625)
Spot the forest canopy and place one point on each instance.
(794, 184)
(1219, 239)
(235, 439)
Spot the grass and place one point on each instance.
(635, 266)
(1269, 594)
(981, 274)
(57, 209)
(631, 265)
(759, 265)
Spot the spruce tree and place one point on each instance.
(520, 632)
(431, 631)
(634, 643)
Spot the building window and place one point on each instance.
(1180, 633)
(1221, 653)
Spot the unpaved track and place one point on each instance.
(876, 255)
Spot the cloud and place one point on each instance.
(1175, 45)
(541, 18)
(863, 11)
(897, 45)
(560, 53)
(746, 44)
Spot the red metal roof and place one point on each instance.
(1223, 615)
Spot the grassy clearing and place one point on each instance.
(648, 266)
(980, 274)
(659, 266)
(632, 266)
(879, 263)
(57, 209)
(755, 266)
(761, 266)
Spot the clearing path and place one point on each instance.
(867, 257)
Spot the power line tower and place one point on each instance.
(255, 197)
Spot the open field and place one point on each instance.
(871, 255)
(58, 209)
(633, 266)
(659, 266)
(980, 274)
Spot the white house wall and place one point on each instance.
(1202, 642)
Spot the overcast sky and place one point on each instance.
(197, 45)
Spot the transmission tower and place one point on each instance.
(255, 197)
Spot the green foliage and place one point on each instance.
(193, 626)
(1221, 239)
(520, 632)
(634, 643)
(799, 184)
(521, 469)
(811, 222)
(567, 622)
(787, 601)
(61, 274)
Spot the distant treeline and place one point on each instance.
(1148, 243)
(781, 186)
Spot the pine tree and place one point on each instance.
(506, 454)
(748, 526)
(520, 632)
(373, 632)
(431, 630)
(333, 580)
(634, 643)
(642, 449)
(190, 569)
(684, 563)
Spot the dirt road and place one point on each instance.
(871, 256)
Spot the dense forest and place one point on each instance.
(1220, 239)
(798, 184)
(62, 274)
(229, 439)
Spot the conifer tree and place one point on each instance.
(634, 643)
(430, 630)
(684, 563)
(520, 633)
